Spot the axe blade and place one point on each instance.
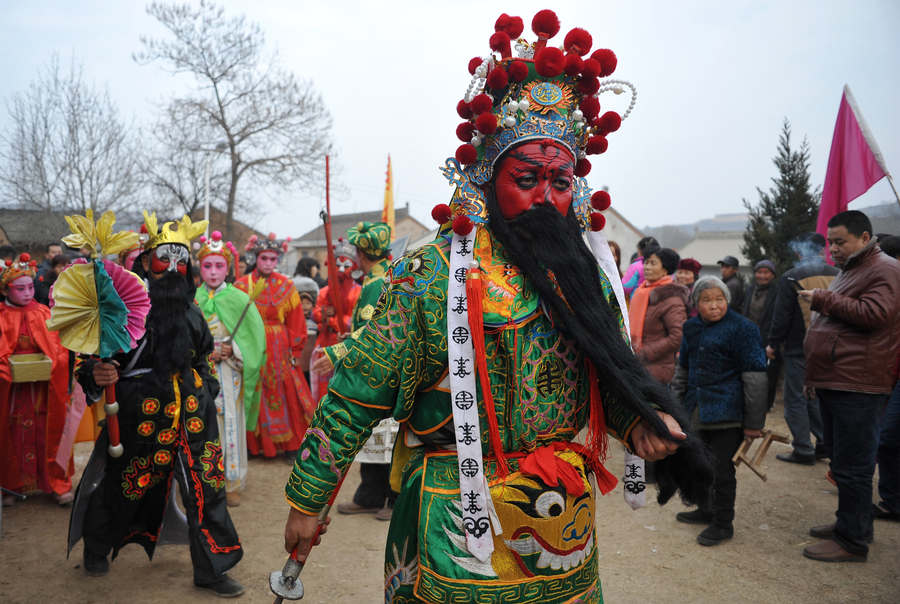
(284, 587)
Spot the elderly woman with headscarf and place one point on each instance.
(721, 381)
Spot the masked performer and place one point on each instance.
(32, 413)
(285, 404)
(372, 242)
(238, 356)
(493, 346)
(333, 328)
(166, 388)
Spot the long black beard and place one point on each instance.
(170, 301)
(541, 240)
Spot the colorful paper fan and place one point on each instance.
(98, 308)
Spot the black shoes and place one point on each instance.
(94, 565)
(882, 513)
(224, 587)
(694, 517)
(715, 534)
(794, 457)
(821, 453)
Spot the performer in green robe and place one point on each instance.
(237, 362)
(372, 241)
(493, 346)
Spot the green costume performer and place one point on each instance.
(372, 241)
(495, 504)
(237, 405)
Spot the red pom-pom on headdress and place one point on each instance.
(596, 145)
(481, 103)
(578, 41)
(143, 228)
(545, 24)
(441, 213)
(549, 62)
(608, 59)
(486, 123)
(608, 122)
(25, 257)
(582, 167)
(589, 86)
(497, 79)
(590, 107)
(466, 154)
(463, 110)
(591, 69)
(216, 235)
(272, 236)
(500, 42)
(465, 131)
(598, 221)
(462, 225)
(517, 71)
(512, 26)
(474, 62)
(574, 64)
(600, 200)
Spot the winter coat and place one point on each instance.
(661, 337)
(791, 315)
(735, 285)
(852, 341)
(722, 371)
(765, 322)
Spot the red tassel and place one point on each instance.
(597, 442)
(476, 328)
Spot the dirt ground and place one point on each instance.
(645, 555)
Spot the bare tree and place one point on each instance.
(275, 126)
(67, 148)
(176, 168)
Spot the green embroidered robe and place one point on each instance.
(398, 367)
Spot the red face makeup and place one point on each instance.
(532, 174)
(169, 257)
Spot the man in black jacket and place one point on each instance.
(759, 302)
(790, 318)
(732, 278)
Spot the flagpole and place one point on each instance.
(893, 188)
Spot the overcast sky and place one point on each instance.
(715, 80)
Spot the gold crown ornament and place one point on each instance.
(180, 232)
(24, 266)
(545, 92)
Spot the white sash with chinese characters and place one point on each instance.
(477, 507)
(633, 477)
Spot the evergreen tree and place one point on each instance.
(787, 210)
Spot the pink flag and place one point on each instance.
(854, 164)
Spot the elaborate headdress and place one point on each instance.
(216, 246)
(342, 248)
(258, 245)
(181, 232)
(545, 92)
(372, 238)
(23, 267)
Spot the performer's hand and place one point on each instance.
(751, 434)
(809, 392)
(299, 530)
(770, 352)
(806, 294)
(322, 364)
(649, 445)
(226, 351)
(106, 374)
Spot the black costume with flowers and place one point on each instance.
(168, 428)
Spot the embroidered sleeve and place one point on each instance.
(392, 358)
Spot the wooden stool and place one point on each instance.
(754, 463)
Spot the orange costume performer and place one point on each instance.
(348, 292)
(286, 405)
(32, 414)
